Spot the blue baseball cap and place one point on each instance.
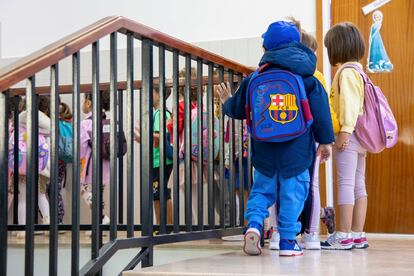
(278, 33)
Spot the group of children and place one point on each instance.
(285, 168)
(65, 119)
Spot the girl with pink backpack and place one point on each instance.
(44, 162)
(366, 125)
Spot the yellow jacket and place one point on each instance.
(334, 117)
(349, 103)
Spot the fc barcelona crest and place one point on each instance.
(283, 108)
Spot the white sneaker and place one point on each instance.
(338, 241)
(274, 241)
(310, 241)
(252, 242)
(105, 220)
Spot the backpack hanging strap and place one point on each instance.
(364, 76)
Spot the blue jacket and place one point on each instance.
(292, 157)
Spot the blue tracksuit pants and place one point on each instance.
(292, 194)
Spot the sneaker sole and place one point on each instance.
(348, 247)
(251, 244)
(312, 245)
(361, 246)
(290, 253)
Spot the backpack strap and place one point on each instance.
(364, 76)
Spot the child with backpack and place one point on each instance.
(43, 163)
(281, 102)
(366, 124)
(156, 157)
(86, 151)
(194, 136)
(64, 152)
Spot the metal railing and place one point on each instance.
(49, 57)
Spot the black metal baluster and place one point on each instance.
(249, 163)
(240, 159)
(16, 102)
(4, 178)
(76, 163)
(162, 140)
(210, 167)
(187, 144)
(96, 151)
(32, 129)
(147, 146)
(114, 136)
(222, 130)
(176, 176)
(200, 163)
(231, 162)
(130, 135)
(54, 159)
(120, 158)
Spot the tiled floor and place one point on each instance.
(387, 255)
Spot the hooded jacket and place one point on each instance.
(295, 156)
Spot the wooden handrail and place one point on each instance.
(105, 86)
(55, 52)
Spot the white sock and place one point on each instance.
(21, 211)
(342, 235)
(356, 235)
(43, 205)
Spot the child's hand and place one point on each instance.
(324, 151)
(137, 135)
(224, 91)
(342, 141)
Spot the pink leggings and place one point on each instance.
(350, 167)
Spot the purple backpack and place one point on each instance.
(377, 128)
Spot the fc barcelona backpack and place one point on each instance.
(277, 107)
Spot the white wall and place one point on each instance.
(30, 25)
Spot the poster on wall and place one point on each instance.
(378, 60)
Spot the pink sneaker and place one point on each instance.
(360, 240)
(338, 241)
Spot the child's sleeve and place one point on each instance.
(350, 99)
(235, 106)
(319, 105)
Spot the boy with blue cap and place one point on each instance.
(283, 128)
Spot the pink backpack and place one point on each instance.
(377, 128)
(44, 154)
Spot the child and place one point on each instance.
(86, 152)
(346, 46)
(194, 163)
(65, 117)
(312, 211)
(156, 157)
(44, 170)
(284, 162)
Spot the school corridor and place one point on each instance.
(132, 134)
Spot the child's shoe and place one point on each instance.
(289, 248)
(328, 218)
(310, 241)
(360, 240)
(338, 241)
(252, 239)
(274, 240)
